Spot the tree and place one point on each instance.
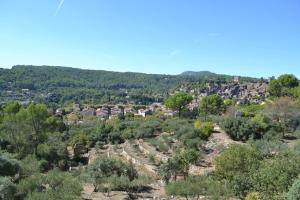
(236, 160)
(54, 185)
(275, 176)
(275, 88)
(212, 104)
(288, 80)
(104, 167)
(282, 111)
(24, 128)
(178, 101)
(236, 164)
(283, 85)
(178, 164)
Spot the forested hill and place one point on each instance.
(199, 73)
(61, 84)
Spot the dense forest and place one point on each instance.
(58, 85)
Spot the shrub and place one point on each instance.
(60, 185)
(206, 129)
(29, 166)
(9, 167)
(236, 160)
(79, 138)
(7, 188)
(239, 128)
(294, 191)
(275, 176)
(253, 196)
(115, 138)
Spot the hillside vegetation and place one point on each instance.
(62, 84)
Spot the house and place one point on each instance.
(155, 106)
(102, 112)
(143, 112)
(236, 79)
(115, 111)
(170, 113)
(88, 112)
(59, 111)
(25, 90)
(193, 105)
(129, 110)
(76, 107)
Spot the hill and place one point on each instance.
(62, 84)
(199, 73)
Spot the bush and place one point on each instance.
(253, 196)
(60, 185)
(79, 138)
(294, 191)
(30, 166)
(9, 167)
(7, 188)
(240, 128)
(115, 138)
(236, 160)
(205, 129)
(195, 187)
(159, 144)
(275, 176)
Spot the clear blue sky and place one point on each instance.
(245, 37)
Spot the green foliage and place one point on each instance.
(12, 107)
(267, 148)
(275, 176)
(178, 101)
(205, 128)
(79, 138)
(283, 86)
(194, 187)
(29, 166)
(236, 160)
(24, 128)
(60, 185)
(9, 167)
(251, 110)
(288, 80)
(7, 188)
(179, 164)
(242, 128)
(282, 112)
(294, 191)
(253, 196)
(159, 144)
(213, 104)
(53, 150)
(104, 167)
(275, 88)
(111, 174)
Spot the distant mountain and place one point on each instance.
(199, 73)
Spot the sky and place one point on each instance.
(258, 38)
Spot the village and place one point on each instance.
(240, 93)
